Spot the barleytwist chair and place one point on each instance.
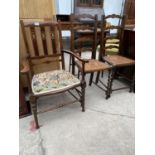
(84, 40)
(117, 61)
(43, 43)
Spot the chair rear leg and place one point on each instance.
(91, 79)
(34, 110)
(83, 86)
(97, 77)
(70, 63)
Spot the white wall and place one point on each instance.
(64, 6)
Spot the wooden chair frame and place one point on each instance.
(87, 31)
(116, 61)
(53, 37)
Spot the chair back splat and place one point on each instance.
(43, 43)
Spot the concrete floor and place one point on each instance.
(105, 128)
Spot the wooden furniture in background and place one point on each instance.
(90, 3)
(116, 61)
(129, 43)
(92, 7)
(129, 51)
(129, 11)
(34, 9)
(46, 37)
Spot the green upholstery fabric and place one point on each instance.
(111, 51)
(112, 41)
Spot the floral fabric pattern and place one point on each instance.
(53, 81)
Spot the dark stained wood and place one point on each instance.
(84, 38)
(129, 11)
(47, 38)
(23, 108)
(116, 61)
(129, 43)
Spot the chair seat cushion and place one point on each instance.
(110, 51)
(112, 41)
(53, 81)
(93, 66)
(117, 60)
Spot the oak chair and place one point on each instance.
(116, 61)
(84, 39)
(43, 41)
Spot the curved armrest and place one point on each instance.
(76, 56)
(25, 68)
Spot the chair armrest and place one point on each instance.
(76, 56)
(25, 68)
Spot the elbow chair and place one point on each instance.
(43, 42)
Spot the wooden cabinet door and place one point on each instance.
(129, 10)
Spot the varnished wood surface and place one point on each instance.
(36, 9)
(129, 43)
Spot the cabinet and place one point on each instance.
(90, 3)
(129, 11)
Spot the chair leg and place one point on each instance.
(91, 78)
(108, 85)
(83, 86)
(97, 77)
(110, 82)
(34, 110)
(70, 59)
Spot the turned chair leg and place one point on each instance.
(91, 79)
(34, 110)
(108, 85)
(110, 82)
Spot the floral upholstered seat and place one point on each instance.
(53, 81)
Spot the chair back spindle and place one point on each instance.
(43, 43)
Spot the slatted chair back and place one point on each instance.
(112, 41)
(84, 33)
(43, 43)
